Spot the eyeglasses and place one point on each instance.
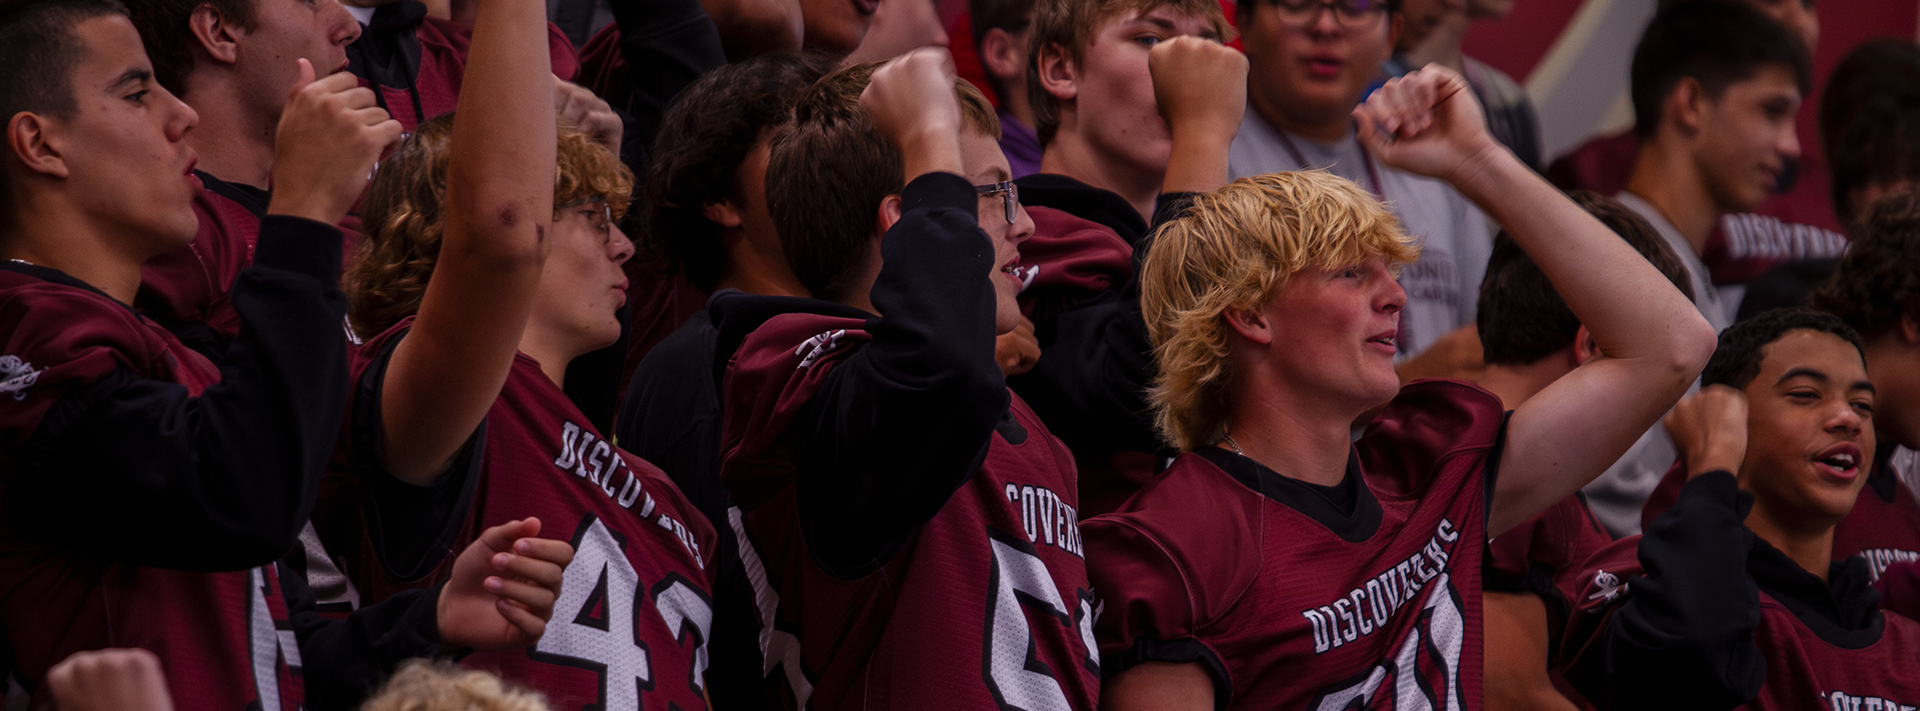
(1350, 13)
(602, 219)
(1009, 197)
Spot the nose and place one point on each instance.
(1392, 297)
(1022, 226)
(1325, 20)
(1844, 419)
(180, 117)
(343, 29)
(1787, 143)
(619, 248)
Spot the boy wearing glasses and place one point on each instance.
(908, 523)
(1311, 61)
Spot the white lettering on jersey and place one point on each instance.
(1026, 275)
(814, 348)
(1879, 558)
(267, 643)
(16, 376)
(1608, 585)
(777, 646)
(1445, 629)
(1021, 577)
(1366, 608)
(588, 457)
(1046, 518)
(1843, 701)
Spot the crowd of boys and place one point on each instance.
(1176, 375)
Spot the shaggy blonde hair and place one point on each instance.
(422, 685)
(1233, 249)
(404, 222)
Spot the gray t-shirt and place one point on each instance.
(1455, 238)
(1620, 492)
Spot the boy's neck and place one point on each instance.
(1667, 179)
(235, 142)
(1811, 547)
(82, 250)
(1281, 428)
(1442, 45)
(1331, 129)
(1070, 154)
(755, 270)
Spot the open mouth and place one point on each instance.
(1840, 461)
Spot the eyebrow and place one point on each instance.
(1820, 377)
(998, 175)
(136, 75)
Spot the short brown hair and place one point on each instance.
(1521, 317)
(1069, 26)
(1233, 249)
(828, 173)
(166, 29)
(404, 218)
(1878, 281)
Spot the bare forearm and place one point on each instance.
(1632, 310)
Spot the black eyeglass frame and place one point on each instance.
(1349, 13)
(1009, 197)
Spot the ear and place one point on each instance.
(1251, 324)
(1585, 349)
(1057, 73)
(1687, 105)
(722, 213)
(33, 140)
(1909, 329)
(889, 213)
(1396, 23)
(217, 37)
(999, 55)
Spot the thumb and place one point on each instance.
(501, 537)
(306, 71)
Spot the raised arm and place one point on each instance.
(1654, 340)
(499, 204)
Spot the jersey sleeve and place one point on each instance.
(411, 528)
(1150, 611)
(140, 471)
(344, 661)
(1679, 635)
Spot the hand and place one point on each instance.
(1017, 350)
(587, 112)
(110, 680)
(1426, 122)
(912, 104)
(330, 137)
(1709, 429)
(1201, 88)
(502, 589)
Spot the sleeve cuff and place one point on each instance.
(1178, 651)
(1718, 486)
(936, 190)
(300, 245)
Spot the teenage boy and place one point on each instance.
(1310, 62)
(133, 464)
(1279, 563)
(912, 521)
(1734, 597)
(708, 221)
(1715, 88)
(1001, 29)
(1531, 339)
(1136, 104)
(1433, 31)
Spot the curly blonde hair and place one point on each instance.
(1232, 249)
(404, 223)
(423, 685)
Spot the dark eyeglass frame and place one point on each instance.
(1350, 13)
(1009, 197)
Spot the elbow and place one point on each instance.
(1693, 344)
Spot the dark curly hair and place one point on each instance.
(1738, 358)
(1870, 121)
(706, 135)
(404, 222)
(1522, 318)
(1878, 281)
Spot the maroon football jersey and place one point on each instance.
(443, 64)
(1803, 671)
(1883, 527)
(630, 627)
(1295, 604)
(190, 284)
(222, 638)
(986, 606)
(1557, 541)
(1070, 258)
